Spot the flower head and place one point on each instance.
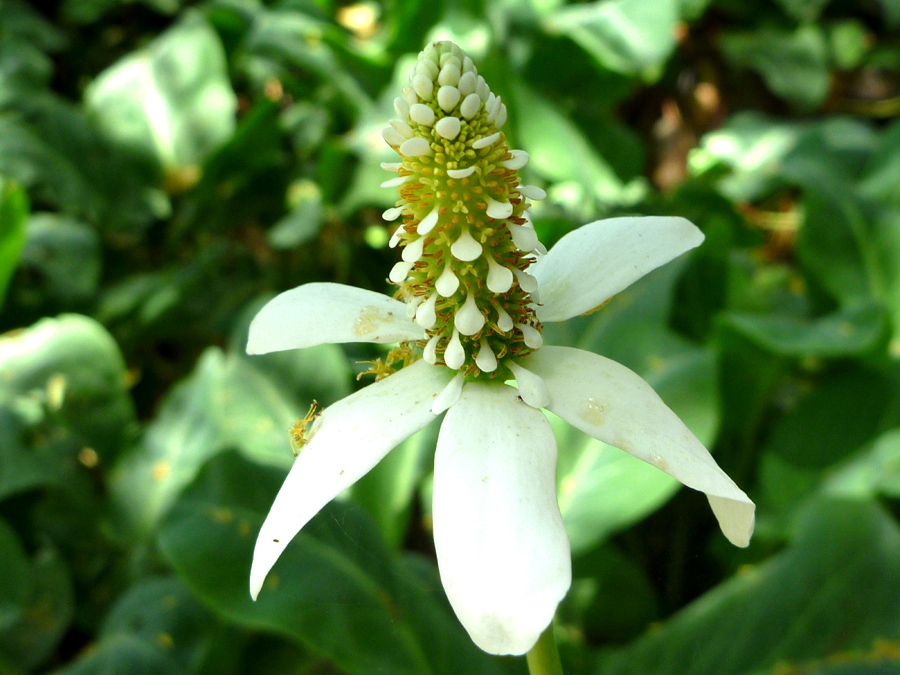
(474, 287)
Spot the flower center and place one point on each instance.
(465, 240)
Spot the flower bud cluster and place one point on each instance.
(465, 242)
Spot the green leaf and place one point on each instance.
(171, 100)
(15, 582)
(627, 36)
(230, 401)
(833, 590)
(46, 610)
(836, 418)
(13, 212)
(874, 471)
(64, 254)
(851, 331)
(793, 63)
(803, 10)
(124, 655)
(335, 589)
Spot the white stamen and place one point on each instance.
(402, 108)
(532, 192)
(423, 86)
(429, 352)
(486, 141)
(468, 65)
(409, 95)
(467, 83)
(399, 271)
(428, 68)
(413, 304)
(402, 128)
(425, 313)
(449, 76)
(459, 174)
(493, 108)
(447, 283)
(500, 120)
(448, 96)
(504, 320)
(466, 248)
(449, 396)
(454, 355)
(528, 283)
(482, 89)
(413, 147)
(470, 106)
(498, 210)
(391, 136)
(448, 127)
(532, 388)
(485, 359)
(394, 182)
(391, 166)
(427, 223)
(499, 278)
(525, 238)
(519, 159)
(392, 214)
(421, 114)
(531, 335)
(413, 250)
(469, 319)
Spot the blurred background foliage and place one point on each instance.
(167, 166)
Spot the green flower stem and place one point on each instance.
(543, 659)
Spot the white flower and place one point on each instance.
(501, 545)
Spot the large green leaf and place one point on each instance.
(335, 589)
(833, 590)
(171, 100)
(626, 36)
(230, 401)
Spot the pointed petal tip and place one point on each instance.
(737, 518)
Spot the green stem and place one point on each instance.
(543, 659)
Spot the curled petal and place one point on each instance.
(591, 264)
(318, 313)
(347, 440)
(609, 402)
(501, 545)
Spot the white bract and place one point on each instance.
(477, 286)
(502, 548)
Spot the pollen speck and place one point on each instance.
(369, 319)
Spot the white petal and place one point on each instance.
(318, 313)
(393, 214)
(531, 335)
(611, 403)
(391, 136)
(486, 141)
(504, 320)
(413, 250)
(450, 395)
(447, 283)
(525, 238)
(501, 545)
(449, 77)
(455, 354)
(590, 265)
(466, 248)
(467, 84)
(471, 104)
(485, 359)
(429, 353)
(532, 192)
(421, 114)
(395, 182)
(469, 319)
(532, 387)
(502, 115)
(518, 160)
(427, 223)
(414, 147)
(461, 173)
(448, 97)
(399, 271)
(423, 86)
(498, 210)
(425, 314)
(402, 108)
(348, 439)
(499, 278)
(391, 166)
(448, 127)
(402, 128)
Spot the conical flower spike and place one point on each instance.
(463, 213)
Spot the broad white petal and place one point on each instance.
(501, 545)
(347, 440)
(609, 402)
(591, 264)
(317, 313)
